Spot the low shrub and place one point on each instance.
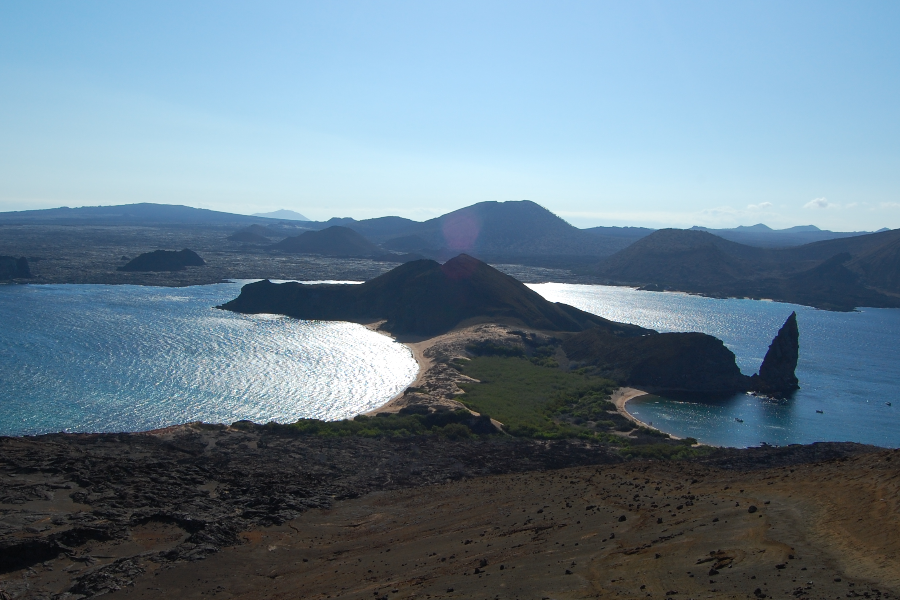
(408, 422)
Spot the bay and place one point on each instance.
(91, 358)
(849, 367)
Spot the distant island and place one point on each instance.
(765, 237)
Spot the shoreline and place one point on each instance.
(619, 398)
(418, 353)
(622, 396)
(436, 387)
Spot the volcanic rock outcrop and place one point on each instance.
(14, 268)
(776, 375)
(164, 260)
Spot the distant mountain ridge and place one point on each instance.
(837, 274)
(766, 237)
(129, 214)
(515, 231)
(340, 242)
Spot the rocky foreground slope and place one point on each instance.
(271, 513)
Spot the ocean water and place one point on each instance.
(131, 358)
(849, 367)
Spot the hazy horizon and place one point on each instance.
(272, 214)
(649, 114)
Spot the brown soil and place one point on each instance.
(257, 512)
(820, 531)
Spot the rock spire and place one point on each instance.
(776, 375)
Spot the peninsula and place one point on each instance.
(424, 299)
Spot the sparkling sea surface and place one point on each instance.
(93, 358)
(849, 366)
(133, 358)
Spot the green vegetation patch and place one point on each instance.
(536, 401)
(532, 400)
(458, 424)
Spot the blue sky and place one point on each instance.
(620, 113)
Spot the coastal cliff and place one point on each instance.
(674, 362)
(693, 363)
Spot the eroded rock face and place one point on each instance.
(776, 375)
(675, 363)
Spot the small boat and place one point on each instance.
(888, 403)
(821, 412)
(738, 420)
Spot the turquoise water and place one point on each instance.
(132, 358)
(849, 367)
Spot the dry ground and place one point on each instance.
(827, 530)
